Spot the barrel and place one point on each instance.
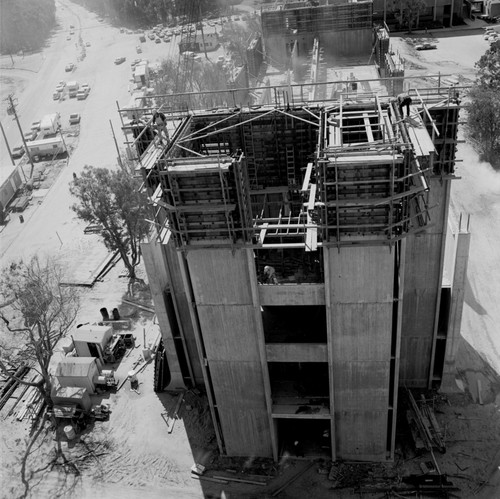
(69, 431)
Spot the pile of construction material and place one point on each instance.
(424, 426)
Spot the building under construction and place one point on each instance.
(302, 266)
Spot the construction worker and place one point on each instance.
(160, 122)
(270, 275)
(404, 99)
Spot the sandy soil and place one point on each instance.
(134, 453)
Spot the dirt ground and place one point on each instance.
(134, 453)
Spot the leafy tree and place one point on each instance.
(408, 11)
(25, 25)
(112, 199)
(37, 312)
(483, 107)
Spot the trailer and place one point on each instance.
(46, 148)
(50, 124)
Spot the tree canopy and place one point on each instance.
(408, 11)
(149, 12)
(36, 312)
(25, 24)
(483, 108)
(112, 199)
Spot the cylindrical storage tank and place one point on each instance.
(69, 431)
(116, 314)
(105, 314)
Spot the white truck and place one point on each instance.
(73, 87)
(50, 124)
(46, 148)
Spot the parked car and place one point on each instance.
(120, 60)
(74, 119)
(425, 46)
(158, 40)
(138, 49)
(59, 88)
(56, 95)
(71, 32)
(87, 44)
(69, 67)
(35, 126)
(85, 86)
(30, 135)
(17, 152)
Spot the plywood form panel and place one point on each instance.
(229, 332)
(219, 276)
(362, 274)
(361, 331)
(239, 394)
(361, 435)
(296, 352)
(292, 294)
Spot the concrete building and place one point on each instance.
(348, 203)
(343, 28)
(303, 267)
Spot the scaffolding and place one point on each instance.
(342, 172)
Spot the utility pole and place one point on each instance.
(7, 144)
(64, 143)
(12, 110)
(116, 145)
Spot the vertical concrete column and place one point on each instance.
(225, 307)
(456, 309)
(361, 294)
(157, 271)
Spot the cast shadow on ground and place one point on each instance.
(470, 299)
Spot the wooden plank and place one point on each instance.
(311, 235)
(312, 197)
(368, 126)
(239, 480)
(262, 234)
(307, 177)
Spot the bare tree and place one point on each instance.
(37, 312)
(112, 199)
(408, 11)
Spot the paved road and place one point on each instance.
(52, 227)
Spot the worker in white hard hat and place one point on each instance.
(160, 122)
(270, 275)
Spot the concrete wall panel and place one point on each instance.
(292, 294)
(228, 332)
(240, 397)
(219, 276)
(362, 275)
(296, 352)
(362, 331)
(361, 435)
(157, 271)
(361, 285)
(371, 380)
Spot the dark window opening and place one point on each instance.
(304, 437)
(292, 265)
(439, 358)
(444, 312)
(295, 324)
(300, 384)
